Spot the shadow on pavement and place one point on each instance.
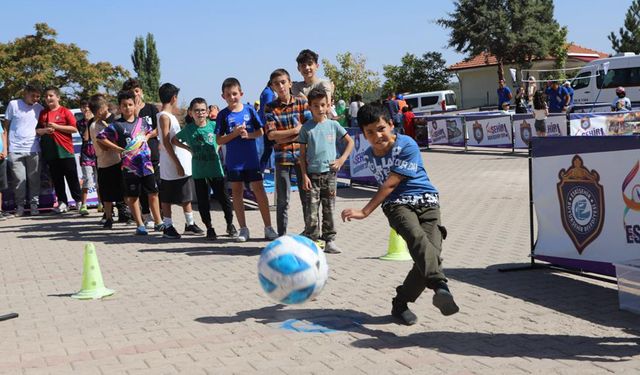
(220, 249)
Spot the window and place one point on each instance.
(581, 81)
(450, 99)
(413, 102)
(618, 77)
(428, 100)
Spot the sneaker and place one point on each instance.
(401, 312)
(270, 234)
(141, 231)
(243, 236)
(62, 208)
(34, 209)
(7, 215)
(193, 228)
(20, 211)
(211, 234)
(320, 244)
(443, 300)
(171, 233)
(2, 217)
(148, 221)
(100, 207)
(158, 227)
(331, 248)
(83, 211)
(108, 224)
(231, 230)
(104, 219)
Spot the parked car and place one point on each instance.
(421, 102)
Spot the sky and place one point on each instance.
(200, 43)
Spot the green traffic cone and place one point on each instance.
(92, 283)
(397, 249)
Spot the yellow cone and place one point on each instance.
(92, 284)
(397, 249)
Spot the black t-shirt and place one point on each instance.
(149, 114)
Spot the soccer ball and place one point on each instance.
(292, 269)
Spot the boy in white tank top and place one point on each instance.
(175, 171)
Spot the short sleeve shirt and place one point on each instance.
(404, 159)
(136, 157)
(87, 151)
(104, 157)
(241, 153)
(557, 98)
(205, 160)
(23, 120)
(321, 139)
(58, 145)
(503, 95)
(284, 116)
(149, 113)
(301, 88)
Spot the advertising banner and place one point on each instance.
(523, 130)
(586, 193)
(447, 130)
(359, 172)
(556, 125)
(489, 131)
(609, 123)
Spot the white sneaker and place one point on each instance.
(20, 211)
(243, 235)
(62, 208)
(34, 209)
(148, 221)
(270, 234)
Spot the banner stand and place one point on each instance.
(532, 243)
(466, 135)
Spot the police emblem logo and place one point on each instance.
(434, 125)
(581, 203)
(478, 132)
(525, 132)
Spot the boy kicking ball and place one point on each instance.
(410, 202)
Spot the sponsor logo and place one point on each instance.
(581, 199)
(525, 132)
(585, 123)
(478, 132)
(631, 198)
(497, 131)
(434, 125)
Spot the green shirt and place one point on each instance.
(205, 160)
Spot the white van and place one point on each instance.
(592, 85)
(444, 100)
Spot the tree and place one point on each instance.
(146, 64)
(350, 76)
(515, 31)
(42, 61)
(417, 74)
(629, 40)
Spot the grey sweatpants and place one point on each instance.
(283, 193)
(25, 168)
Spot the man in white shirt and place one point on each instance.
(20, 122)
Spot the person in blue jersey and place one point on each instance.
(411, 203)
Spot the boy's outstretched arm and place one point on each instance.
(383, 192)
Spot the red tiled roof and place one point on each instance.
(486, 59)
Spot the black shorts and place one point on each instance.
(176, 191)
(133, 184)
(245, 175)
(3, 175)
(540, 126)
(110, 183)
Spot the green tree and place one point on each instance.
(146, 64)
(350, 76)
(40, 60)
(417, 74)
(629, 39)
(516, 31)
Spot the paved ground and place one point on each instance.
(193, 307)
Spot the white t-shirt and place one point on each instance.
(353, 109)
(168, 170)
(22, 130)
(540, 114)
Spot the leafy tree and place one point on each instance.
(629, 39)
(40, 60)
(515, 31)
(146, 64)
(417, 74)
(350, 76)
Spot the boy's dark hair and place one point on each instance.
(95, 102)
(317, 93)
(198, 101)
(406, 108)
(54, 89)
(125, 95)
(371, 113)
(278, 73)
(166, 92)
(307, 55)
(84, 102)
(31, 88)
(231, 82)
(130, 84)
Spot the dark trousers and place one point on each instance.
(144, 200)
(420, 228)
(219, 193)
(283, 193)
(61, 169)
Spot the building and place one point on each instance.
(479, 79)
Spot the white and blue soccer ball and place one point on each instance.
(292, 269)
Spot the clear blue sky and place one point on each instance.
(202, 42)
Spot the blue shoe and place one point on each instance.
(141, 231)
